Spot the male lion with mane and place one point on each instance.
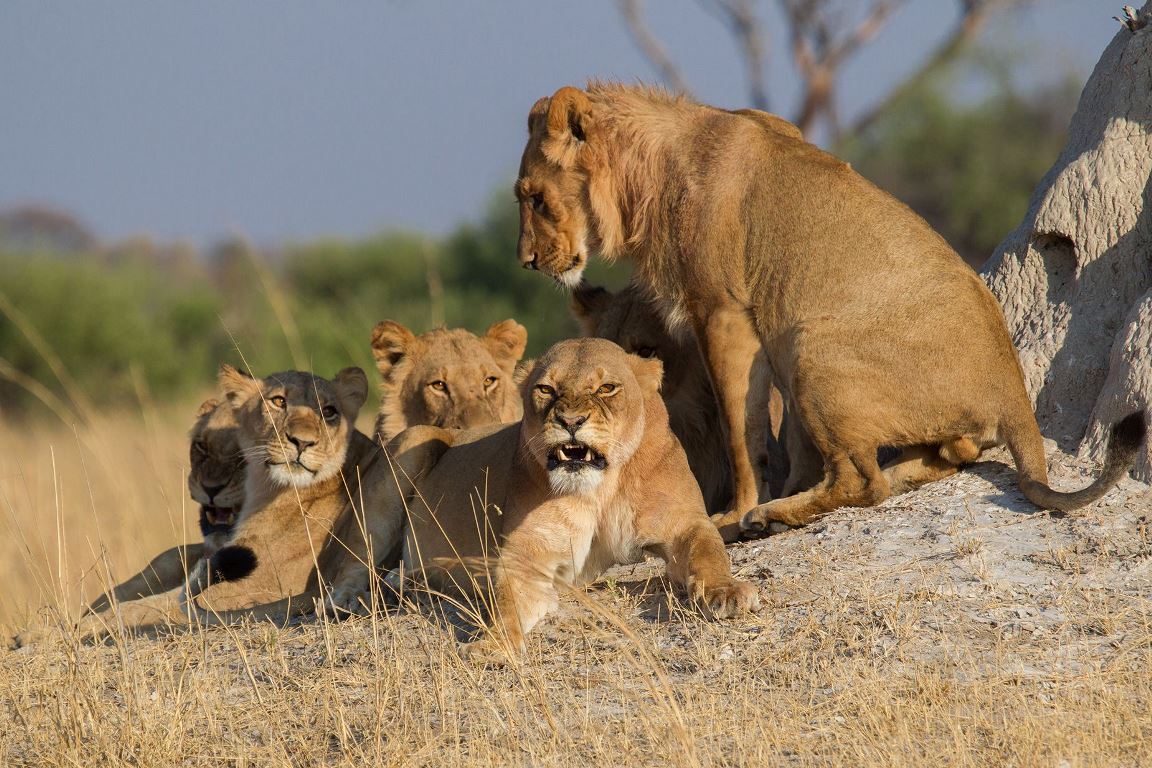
(590, 477)
(874, 327)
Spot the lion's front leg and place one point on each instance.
(167, 570)
(729, 344)
(534, 557)
(697, 561)
(368, 538)
(166, 609)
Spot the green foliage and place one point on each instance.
(313, 305)
(968, 168)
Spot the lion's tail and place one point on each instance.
(1026, 444)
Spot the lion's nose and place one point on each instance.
(530, 263)
(211, 492)
(571, 423)
(301, 443)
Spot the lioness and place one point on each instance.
(446, 378)
(216, 483)
(628, 318)
(590, 477)
(873, 326)
(309, 478)
(466, 383)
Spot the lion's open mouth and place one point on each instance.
(575, 456)
(216, 519)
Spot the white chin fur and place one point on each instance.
(583, 482)
(297, 477)
(571, 278)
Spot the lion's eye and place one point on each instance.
(606, 389)
(438, 385)
(330, 412)
(537, 201)
(278, 401)
(646, 352)
(490, 382)
(545, 390)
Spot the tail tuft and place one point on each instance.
(232, 563)
(1127, 436)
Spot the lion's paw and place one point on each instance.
(29, 637)
(725, 600)
(759, 521)
(489, 652)
(344, 601)
(728, 523)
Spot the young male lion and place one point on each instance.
(873, 326)
(446, 378)
(590, 477)
(309, 479)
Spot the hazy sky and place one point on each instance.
(292, 120)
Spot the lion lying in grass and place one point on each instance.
(444, 377)
(309, 479)
(590, 477)
(216, 483)
(756, 240)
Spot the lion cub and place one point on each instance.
(590, 477)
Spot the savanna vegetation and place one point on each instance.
(111, 324)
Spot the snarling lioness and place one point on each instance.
(308, 480)
(754, 239)
(591, 476)
(628, 318)
(446, 378)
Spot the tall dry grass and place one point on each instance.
(84, 503)
(625, 675)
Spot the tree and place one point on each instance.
(822, 37)
(1075, 277)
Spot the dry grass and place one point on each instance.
(872, 649)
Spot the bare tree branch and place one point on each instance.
(819, 50)
(633, 13)
(746, 28)
(973, 15)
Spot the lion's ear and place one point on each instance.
(506, 341)
(352, 390)
(538, 115)
(589, 302)
(523, 370)
(207, 407)
(390, 342)
(568, 123)
(237, 386)
(649, 372)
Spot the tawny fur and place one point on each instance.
(312, 485)
(216, 483)
(628, 319)
(754, 239)
(493, 490)
(446, 377)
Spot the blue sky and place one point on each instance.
(287, 121)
